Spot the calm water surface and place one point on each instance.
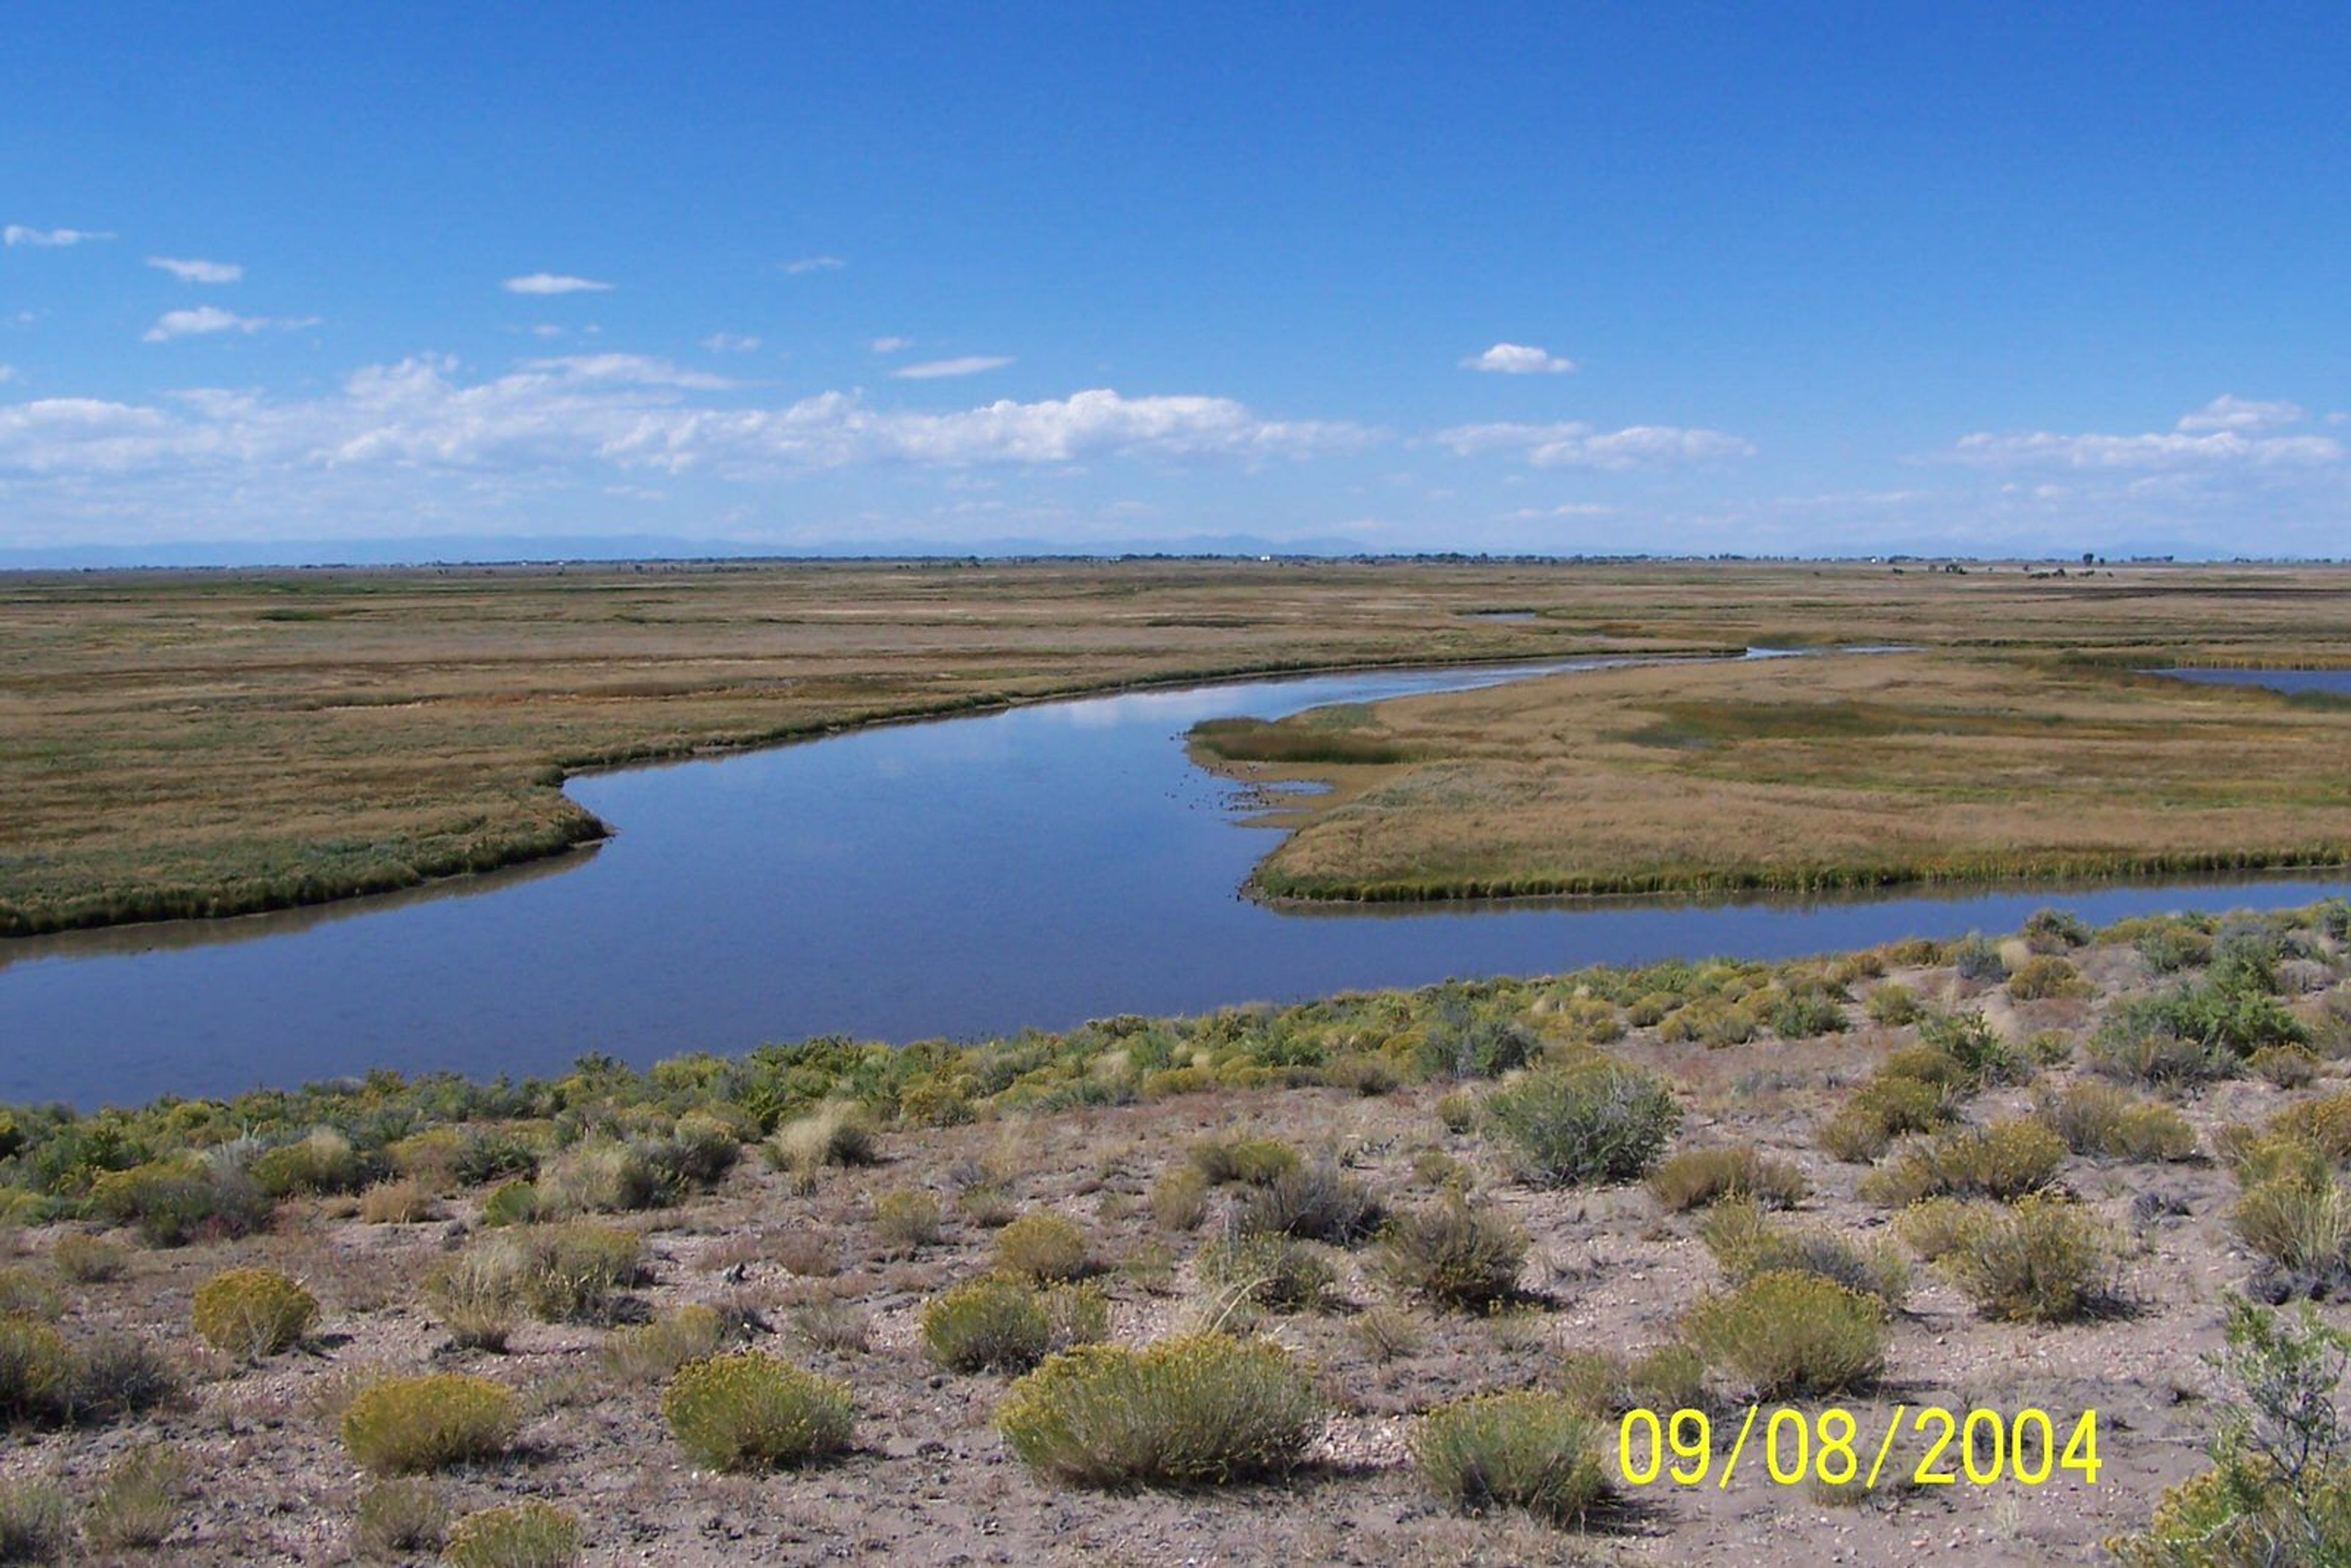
(961, 878)
(2333, 683)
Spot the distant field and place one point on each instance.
(2047, 757)
(207, 743)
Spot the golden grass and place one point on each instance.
(1818, 773)
(206, 743)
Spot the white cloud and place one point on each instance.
(18, 233)
(809, 264)
(890, 345)
(193, 271)
(545, 330)
(936, 370)
(730, 343)
(1575, 445)
(2241, 414)
(543, 283)
(207, 319)
(1517, 359)
(7, 372)
(559, 418)
(2226, 433)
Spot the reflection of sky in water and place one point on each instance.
(962, 878)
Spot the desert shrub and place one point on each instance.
(2170, 947)
(2040, 1261)
(1696, 1178)
(174, 1202)
(1005, 1325)
(1893, 1005)
(2300, 1220)
(841, 1327)
(1179, 1200)
(1711, 1022)
(37, 1372)
(1364, 1074)
(517, 1535)
(906, 1221)
(321, 1162)
(2284, 1066)
(2102, 1119)
(87, 1259)
(1255, 1161)
(408, 1425)
(1199, 1411)
(1269, 1270)
(602, 1175)
(2322, 1124)
(1384, 1333)
(516, 1203)
(1968, 1039)
(2155, 1058)
(1473, 1048)
(140, 1501)
(478, 1294)
(2195, 1032)
(399, 1519)
(1607, 1383)
(1746, 1244)
(403, 1202)
(116, 1376)
(1532, 1451)
(834, 1135)
(2054, 931)
(1315, 1202)
(35, 1522)
(1459, 1112)
(1934, 1227)
(25, 1295)
(1597, 1122)
(1791, 1333)
(1041, 1248)
(489, 1155)
(652, 1352)
(1977, 957)
(700, 1149)
(1454, 1255)
(750, 1410)
(253, 1312)
(1803, 1015)
(558, 1273)
(1879, 1111)
(2279, 1490)
(2003, 1161)
(2044, 976)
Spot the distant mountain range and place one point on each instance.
(484, 549)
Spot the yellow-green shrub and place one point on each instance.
(1454, 1255)
(1200, 1411)
(1525, 1450)
(1791, 1334)
(2042, 1262)
(253, 1312)
(751, 1410)
(406, 1426)
(519, 1535)
(1041, 1248)
(2003, 1161)
(1699, 1176)
(1006, 1325)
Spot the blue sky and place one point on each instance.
(1820, 278)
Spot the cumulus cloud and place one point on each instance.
(2228, 432)
(2246, 414)
(205, 321)
(809, 264)
(940, 369)
(621, 412)
(890, 345)
(18, 233)
(1575, 445)
(730, 343)
(1517, 359)
(545, 283)
(195, 271)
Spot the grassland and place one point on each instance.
(206, 743)
(2042, 753)
(2152, 1119)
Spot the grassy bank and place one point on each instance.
(1393, 1261)
(219, 742)
(1797, 776)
